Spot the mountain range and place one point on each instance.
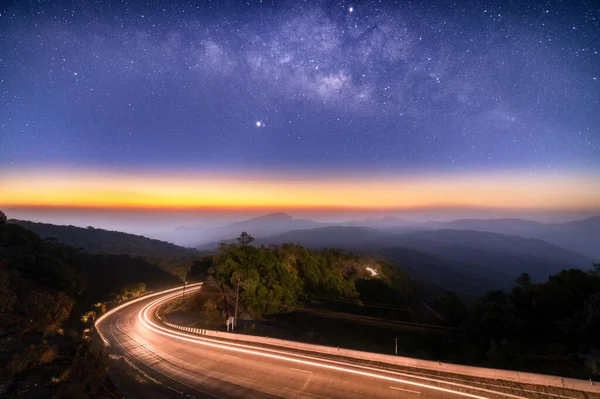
(581, 236)
(451, 258)
(262, 226)
(468, 256)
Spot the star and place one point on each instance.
(350, 88)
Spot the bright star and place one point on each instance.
(258, 123)
(351, 9)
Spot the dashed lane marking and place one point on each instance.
(405, 390)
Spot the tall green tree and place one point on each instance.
(245, 239)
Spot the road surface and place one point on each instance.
(173, 364)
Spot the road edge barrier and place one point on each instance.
(471, 371)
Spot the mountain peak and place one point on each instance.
(275, 216)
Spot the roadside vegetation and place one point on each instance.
(337, 298)
(51, 293)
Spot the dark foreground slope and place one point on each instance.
(105, 241)
(116, 246)
(46, 287)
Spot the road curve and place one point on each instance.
(181, 364)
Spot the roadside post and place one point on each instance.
(230, 323)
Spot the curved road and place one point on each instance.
(176, 364)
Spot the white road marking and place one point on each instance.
(487, 384)
(143, 317)
(146, 322)
(173, 389)
(233, 346)
(405, 390)
(160, 372)
(300, 370)
(319, 362)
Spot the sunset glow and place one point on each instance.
(36, 188)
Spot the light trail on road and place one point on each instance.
(232, 369)
(144, 319)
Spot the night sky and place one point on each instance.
(342, 88)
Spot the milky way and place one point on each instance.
(300, 85)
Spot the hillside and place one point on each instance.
(105, 241)
(489, 260)
(462, 260)
(45, 289)
(325, 237)
(580, 236)
(332, 297)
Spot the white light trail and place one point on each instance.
(275, 354)
(105, 315)
(146, 322)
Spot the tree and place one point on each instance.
(524, 281)
(3, 219)
(245, 239)
(182, 271)
(211, 313)
(452, 308)
(132, 290)
(592, 312)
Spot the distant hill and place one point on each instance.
(493, 255)
(582, 236)
(459, 259)
(102, 241)
(381, 223)
(273, 223)
(183, 235)
(262, 226)
(343, 237)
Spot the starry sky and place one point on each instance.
(239, 93)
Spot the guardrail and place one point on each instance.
(477, 372)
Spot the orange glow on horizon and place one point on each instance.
(92, 189)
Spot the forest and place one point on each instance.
(550, 326)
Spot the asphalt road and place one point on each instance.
(174, 364)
